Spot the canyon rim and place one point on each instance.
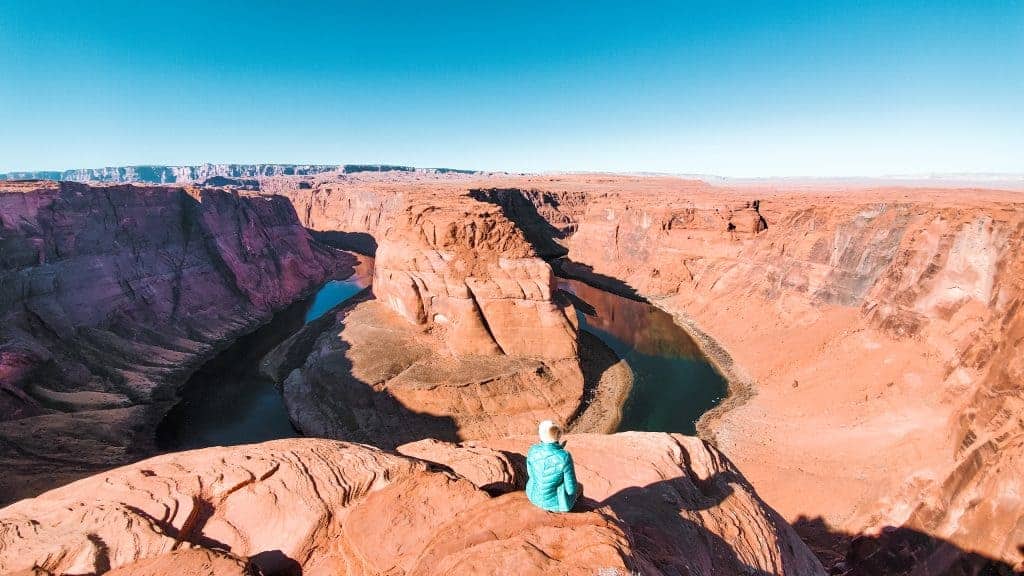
(852, 313)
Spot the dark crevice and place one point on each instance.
(762, 223)
(483, 319)
(895, 551)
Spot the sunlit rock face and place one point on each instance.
(872, 333)
(657, 504)
(461, 267)
(110, 296)
(879, 328)
(465, 339)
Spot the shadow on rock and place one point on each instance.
(545, 237)
(359, 242)
(517, 208)
(896, 551)
(663, 536)
(276, 563)
(327, 399)
(567, 268)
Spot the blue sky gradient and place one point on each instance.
(728, 88)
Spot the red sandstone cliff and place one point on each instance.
(877, 329)
(880, 330)
(468, 270)
(659, 504)
(465, 338)
(110, 296)
(873, 336)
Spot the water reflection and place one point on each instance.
(673, 383)
(227, 401)
(333, 292)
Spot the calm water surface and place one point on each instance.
(673, 383)
(227, 401)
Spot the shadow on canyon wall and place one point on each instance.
(344, 407)
(358, 242)
(665, 537)
(567, 268)
(594, 359)
(896, 551)
(545, 239)
(540, 233)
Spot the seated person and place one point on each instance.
(552, 478)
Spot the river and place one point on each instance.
(227, 401)
(673, 382)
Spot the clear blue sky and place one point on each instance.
(736, 89)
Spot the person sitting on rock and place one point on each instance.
(551, 484)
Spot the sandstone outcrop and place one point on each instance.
(466, 337)
(871, 335)
(876, 328)
(659, 504)
(111, 296)
(467, 270)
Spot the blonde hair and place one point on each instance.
(549, 431)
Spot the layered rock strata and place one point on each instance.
(111, 296)
(877, 331)
(465, 337)
(658, 504)
(160, 174)
(871, 335)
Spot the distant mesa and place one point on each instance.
(204, 173)
(224, 181)
(353, 168)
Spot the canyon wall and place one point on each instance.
(111, 296)
(655, 504)
(872, 339)
(871, 336)
(879, 329)
(469, 270)
(466, 337)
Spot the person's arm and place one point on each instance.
(569, 478)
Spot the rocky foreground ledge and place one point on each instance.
(656, 504)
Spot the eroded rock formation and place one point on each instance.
(658, 504)
(468, 271)
(877, 328)
(872, 336)
(465, 339)
(111, 296)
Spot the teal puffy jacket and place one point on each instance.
(552, 478)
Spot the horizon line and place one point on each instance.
(994, 176)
